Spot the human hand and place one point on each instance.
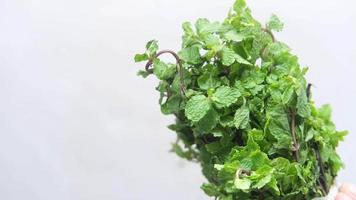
(346, 192)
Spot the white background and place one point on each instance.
(76, 123)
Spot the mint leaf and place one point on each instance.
(242, 184)
(212, 42)
(209, 121)
(210, 189)
(227, 56)
(224, 96)
(275, 24)
(151, 48)
(204, 26)
(303, 108)
(241, 60)
(190, 55)
(234, 36)
(197, 107)
(172, 105)
(242, 117)
(239, 6)
(143, 73)
(209, 79)
(141, 57)
(162, 70)
(287, 95)
(187, 27)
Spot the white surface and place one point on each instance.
(77, 124)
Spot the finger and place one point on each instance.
(349, 190)
(342, 196)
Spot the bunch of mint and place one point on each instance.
(243, 110)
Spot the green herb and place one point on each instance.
(243, 110)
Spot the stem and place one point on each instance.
(270, 33)
(322, 178)
(241, 172)
(205, 140)
(264, 50)
(261, 196)
(296, 145)
(321, 187)
(179, 66)
(309, 90)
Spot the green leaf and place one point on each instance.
(241, 60)
(242, 116)
(278, 126)
(162, 70)
(324, 112)
(264, 181)
(141, 57)
(262, 176)
(190, 55)
(275, 24)
(180, 152)
(209, 80)
(239, 6)
(227, 121)
(257, 135)
(204, 26)
(310, 134)
(143, 73)
(278, 50)
(218, 167)
(242, 184)
(234, 36)
(212, 42)
(287, 95)
(273, 185)
(213, 147)
(209, 121)
(197, 107)
(303, 108)
(210, 189)
(259, 160)
(227, 56)
(189, 37)
(218, 132)
(187, 27)
(152, 48)
(172, 105)
(224, 96)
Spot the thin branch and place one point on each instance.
(179, 66)
(261, 196)
(322, 178)
(309, 90)
(270, 33)
(264, 50)
(296, 145)
(242, 172)
(321, 187)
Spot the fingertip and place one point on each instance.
(342, 196)
(348, 189)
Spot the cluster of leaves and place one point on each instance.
(243, 110)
